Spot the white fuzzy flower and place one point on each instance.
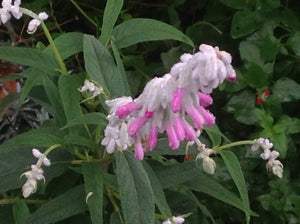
(35, 23)
(36, 173)
(29, 187)
(42, 158)
(8, 9)
(92, 88)
(174, 220)
(274, 165)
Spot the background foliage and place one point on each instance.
(122, 46)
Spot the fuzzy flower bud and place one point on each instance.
(209, 165)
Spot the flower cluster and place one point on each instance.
(16, 11)
(35, 174)
(35, 23)
(169, 102)
(273, 164)
(209, 165)
(92, 88)
(174, 220)
(9, 9)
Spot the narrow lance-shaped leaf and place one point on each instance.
(90, 118)
(93, 180)
(209, 186)
(159, 195)
(65, 205)
(20, 211)
(67, 44)
(185, 190)
(30, 57)
(54, 99)
(7, 101)
(236, 173)
(70, 95)
(101, 67)
(136, 193)
(111, 13)
(135, 31)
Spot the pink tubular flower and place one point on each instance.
(173, 141)
(179, 128)
(209, 118)
(136, 125)
(177, 99)
(197, 118)
(190, 133)
(138, 150)
(149, 114)
(125, 110)
(152, 139)
(205, 100)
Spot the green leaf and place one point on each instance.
(163, 148)
(6, 215)
(185, 190)
(30, 57)
(33, 79)
(264, 119)
(70, 96)
(159, 195)
(120, 66)
(255, 76)
(20, 211)
(111, 13)
(241, 105)
(66, 205)
(67, 44)
(102, 68)
(54, 99)
(269, 49)
(250, 52)
(294, 42)
(42, 137)
(136, 193)
(292, 124)
(7, 101)
(244, 23)
(11, 77)
(209, 186)
(77, 139)
(237, 4)
(235, 170)
(175, 174)
(93, 182)
(214, 134)
(89, 118)
(135, 31)
(286, 90)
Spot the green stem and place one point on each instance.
(56, 52)
(7, 201)
(114, 203)
(246, 142)
(51, 41)
(83, 13)
(209, 24)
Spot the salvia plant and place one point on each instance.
(100, 152)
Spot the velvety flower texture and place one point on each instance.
(167, 101)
